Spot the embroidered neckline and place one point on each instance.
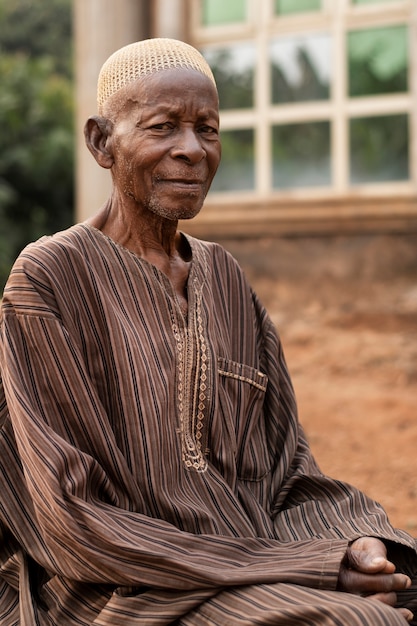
(193, 356)
(193, 380)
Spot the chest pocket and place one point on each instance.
(241, 394)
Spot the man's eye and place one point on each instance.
(208, 130)
(162, 126)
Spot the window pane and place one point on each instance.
(283, 7)
(378, 61)
(301, 155)
(233, 69)
(300, 68)
(379, 149)
(237, 167)
(223, 12)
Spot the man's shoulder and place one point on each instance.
(61, 248)
(50, 259)
(68, 238)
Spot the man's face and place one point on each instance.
(165, 142)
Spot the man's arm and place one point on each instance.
(68, 495)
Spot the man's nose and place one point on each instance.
(188, 146)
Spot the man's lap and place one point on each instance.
(289, 605)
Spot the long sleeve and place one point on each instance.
(80, 510)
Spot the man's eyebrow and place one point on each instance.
(175, 108)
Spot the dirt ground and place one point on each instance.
(347, 315)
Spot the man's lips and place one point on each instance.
(182, 181)
(190, 185)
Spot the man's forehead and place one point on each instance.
(170, 92)
(146, 104)
(173, 83)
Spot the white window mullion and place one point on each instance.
(263, 166)
(413, 92)
(340, 134)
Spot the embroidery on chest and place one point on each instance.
(192, 386)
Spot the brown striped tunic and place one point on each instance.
(152, 467)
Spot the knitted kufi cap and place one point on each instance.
(146, 57)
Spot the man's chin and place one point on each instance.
(175, 213)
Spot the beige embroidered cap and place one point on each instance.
(146, 57)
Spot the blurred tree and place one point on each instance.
(378, 60)
(36, 118)
(37, 28)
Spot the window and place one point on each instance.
(300, 68)
(220, 12)
(316, 96)
(284, 7)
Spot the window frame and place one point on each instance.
(337, 18)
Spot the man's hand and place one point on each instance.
(366, 571)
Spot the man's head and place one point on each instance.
(141, 59)
(158, 128)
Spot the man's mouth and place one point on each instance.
(183, 184)
(183, 181)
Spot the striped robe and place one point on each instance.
(153, 470)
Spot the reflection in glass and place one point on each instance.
(378, 61)
(301, 155)
(300, 68)
(237, 167)
(379, 149)
(220, 12)
(233, 69)
(283, 7)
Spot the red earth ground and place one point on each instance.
(347, 314)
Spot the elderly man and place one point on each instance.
(153, 470)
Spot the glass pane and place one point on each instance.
(379, 149)
(300, 68)
(221, 12)
(283, 7)
(237, 167)
(378, 61)
(233, 69)
(301, 155)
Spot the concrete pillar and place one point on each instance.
(100, 28)
(170, 19)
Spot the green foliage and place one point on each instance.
(378, 60)
(36, 118)
(235, 84)
(38, 28)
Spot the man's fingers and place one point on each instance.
(353, 581)
(368, 554)
(407, 614)
(387, 598)
(391, 599)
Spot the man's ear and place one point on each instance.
(97, 132)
